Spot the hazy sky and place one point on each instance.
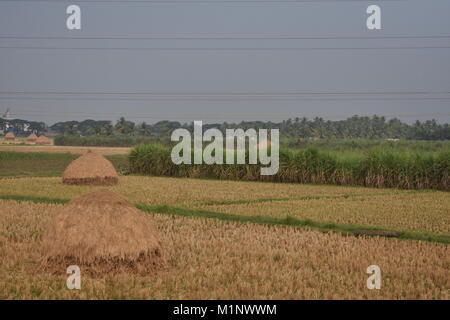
(110, 77)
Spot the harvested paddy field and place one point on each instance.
(182, 191)
(347, 209)
(228, 239)
(227, 260)
(415, 211)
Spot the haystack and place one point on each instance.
(91, 169)
(102, 233)
(43, 140)
(10, 136)
(32, 137)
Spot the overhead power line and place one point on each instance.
(224, 37)
(67, 112)
(228, 96)
(223, 49)
(228, 99)
(203, 116)
(231, 99)
(184, 94)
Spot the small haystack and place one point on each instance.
(10, 136)
(102, 233)
(43, 140)
(91, 169)
(32, 138)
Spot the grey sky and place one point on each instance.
(224, 72)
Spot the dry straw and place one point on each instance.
(103, 234)
(91, 169)
(10, 136)
(32, 137)
(43, 140)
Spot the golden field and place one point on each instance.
(17, 142)
(213, 247)
(210, 259)
(427, 211)
(182, 191)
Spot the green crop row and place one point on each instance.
(379, 167)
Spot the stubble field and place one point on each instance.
(243, 240)
(212, 259)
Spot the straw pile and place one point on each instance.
(102, 233)
(32, 137)
(43, 140)
(91, 169)
(10, 136)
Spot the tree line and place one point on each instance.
(375, 127)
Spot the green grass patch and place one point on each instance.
(106, 141)
(44, 164)
(294, 222)
(16, 197)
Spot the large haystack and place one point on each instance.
(32, 137)
(10, 136)
(91, 169)
(102, 233)
(43, 140)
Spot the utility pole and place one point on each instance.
(7, 114)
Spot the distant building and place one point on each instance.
(20, 127)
